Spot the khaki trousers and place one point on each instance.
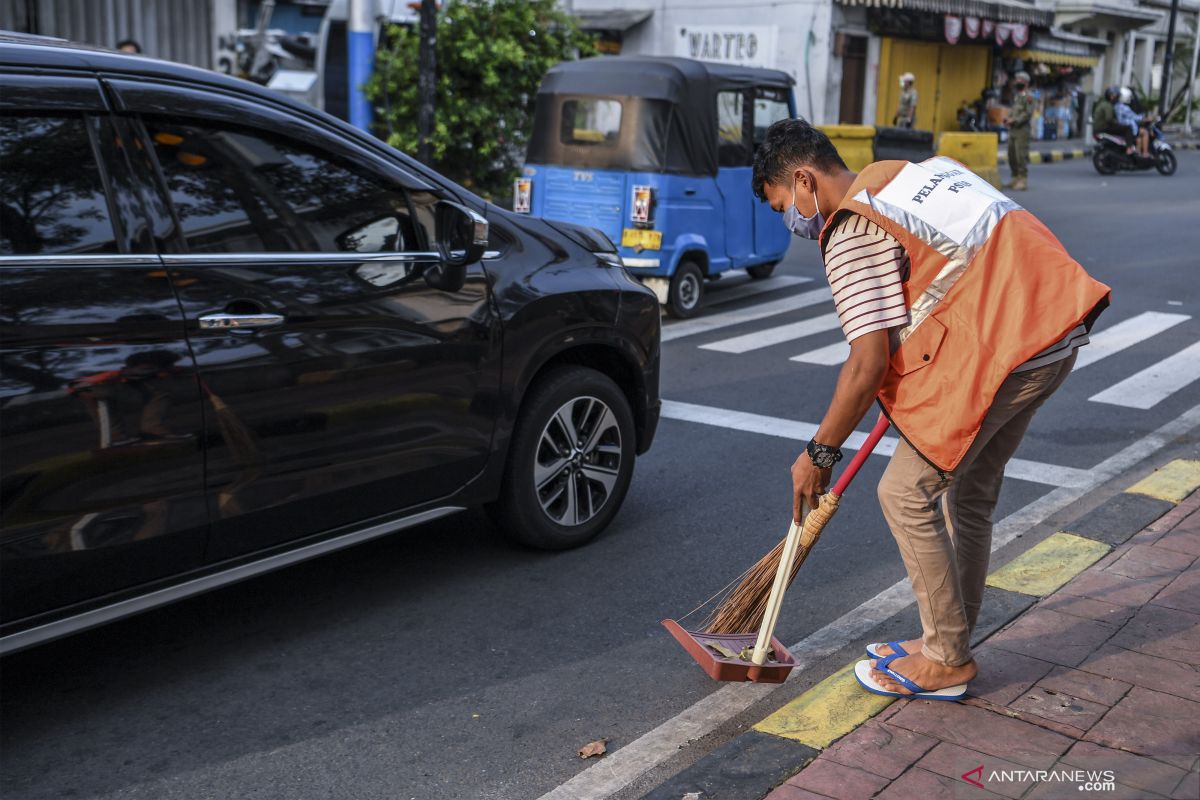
(943, 526)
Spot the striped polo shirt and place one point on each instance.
(867, 267)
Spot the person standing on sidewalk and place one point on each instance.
(1019, 119)
(906, 113)
(960, 342)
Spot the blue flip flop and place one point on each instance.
(862, 673)
(897, 647)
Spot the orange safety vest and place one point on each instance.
(989, 287)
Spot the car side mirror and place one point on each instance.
(462, 238)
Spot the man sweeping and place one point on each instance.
(963, 314)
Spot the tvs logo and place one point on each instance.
(978, 772)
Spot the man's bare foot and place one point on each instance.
(910, 646)
(924, 673)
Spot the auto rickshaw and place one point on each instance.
(657, 153)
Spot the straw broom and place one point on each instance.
(755, 602)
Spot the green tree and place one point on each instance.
(491, 57)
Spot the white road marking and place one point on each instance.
(1018, 468)
(620, 768)
(829, 356)
(712, 322)
(1155, 383)
(777, 335)
(716, 297)
(1124, 334)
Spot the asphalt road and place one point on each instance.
(441, 663)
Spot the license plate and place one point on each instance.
(644, 240)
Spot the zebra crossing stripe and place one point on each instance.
(716, 297)
(1155, 383)
(829, 356)
(1017, 468)
(776, 335)
(725, 319)
(1126, 333)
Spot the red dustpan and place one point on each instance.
(771, 662)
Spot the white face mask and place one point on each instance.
(804, 227)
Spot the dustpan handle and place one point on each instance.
(864, 452)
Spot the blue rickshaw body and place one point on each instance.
(685, 131)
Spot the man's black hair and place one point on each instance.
(133, 42)
(792, 143)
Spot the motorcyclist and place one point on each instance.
(1132, 121)
(1104, 117)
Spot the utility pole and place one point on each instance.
(426, 80)
(360, 52)
(1191, 95)
(1164, 93)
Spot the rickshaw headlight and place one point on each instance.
(523, 195)
(643, 204)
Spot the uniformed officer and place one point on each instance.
(906, 113)
(1019, 118)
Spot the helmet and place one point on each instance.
(1113, 93)
(1126, 94)
(1021, 76)
(906, 77)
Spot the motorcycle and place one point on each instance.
(1109, 156)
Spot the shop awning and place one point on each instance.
(1048, 57)
(997, 10)
(612, 19)
(1113, 15)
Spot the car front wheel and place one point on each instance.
(570, 463)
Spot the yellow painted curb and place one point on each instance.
(1172, 483)
(1048, 565)
(826, 712)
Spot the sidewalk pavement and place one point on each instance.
(1087, 662)
(1098, 675)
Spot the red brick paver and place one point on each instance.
(1099, 676)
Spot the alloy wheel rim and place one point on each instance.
(689, 291)
(578, 461)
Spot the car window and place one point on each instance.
(237, 190)
(731, 130)
(52, 197)
(591, 121)
(770, 106)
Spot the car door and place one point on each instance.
(101, 479)
(344, 387)
(735, 163)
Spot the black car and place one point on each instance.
(238, 333)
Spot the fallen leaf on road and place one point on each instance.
(595, 748)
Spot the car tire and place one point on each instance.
(761, 271)
(686, 293)
(553, 516)
(1165, 163)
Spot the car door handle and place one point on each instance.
(239, 322)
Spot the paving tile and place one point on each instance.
(1128, 768)
(1004, 675)
(1153, 724)
(785, 792)
(1111, 588)
(837, 780)
(1139, 669)
(1049, 564)
(1155, 564)
(952, 760)
(988, 732)
(1189, 787)
(926, 785)
(1085, 685)
(1088, 608)
(1173, 481)
(1052, 636)
(1182, 539)
(1182, 593)
(1060, 707)
(1163, 632)
(1120, 517)
(880, 749)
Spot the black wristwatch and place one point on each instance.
(823, 455)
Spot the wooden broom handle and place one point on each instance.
(860, 458)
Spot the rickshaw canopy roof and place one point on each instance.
(677, 118)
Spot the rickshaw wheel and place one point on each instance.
(760, 271)
(686, 292)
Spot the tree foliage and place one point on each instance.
(491, 57)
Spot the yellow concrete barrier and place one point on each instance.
(977, 151)
(854, 143)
